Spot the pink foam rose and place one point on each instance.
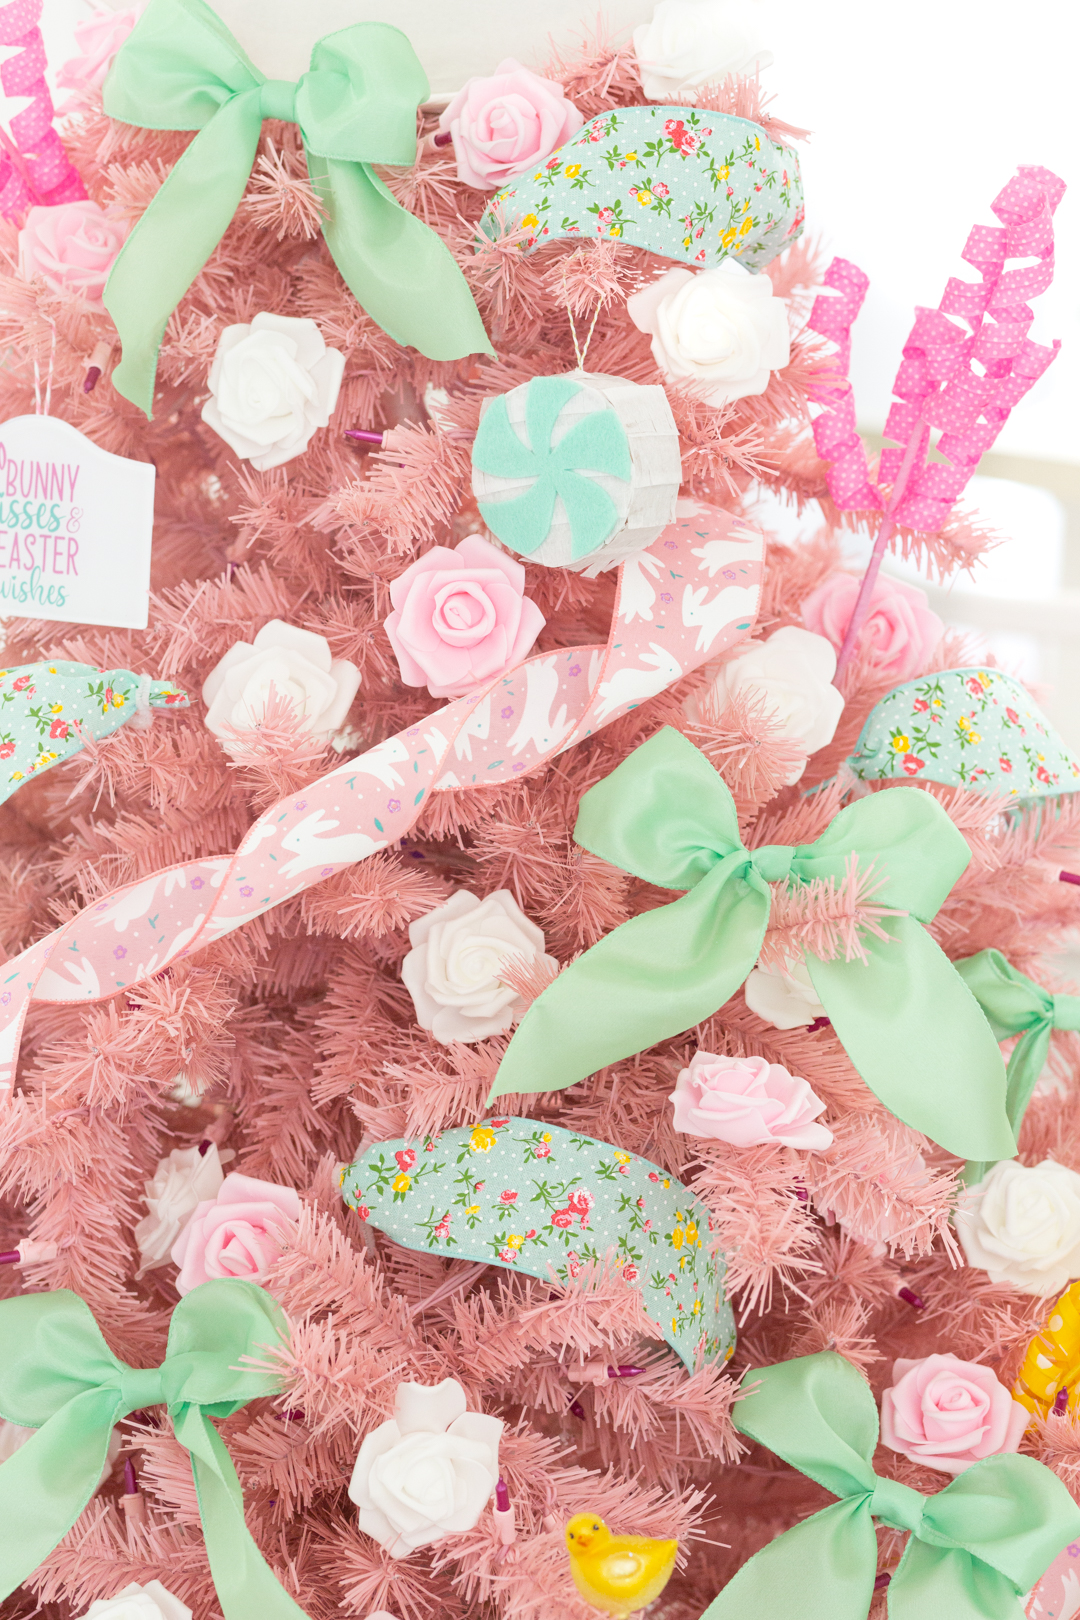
(461, 617)
(71, 246)
(98, 39)
(947, 1413)
(747, 1101)
(236, 1234)
(504, 124)
(900, 629)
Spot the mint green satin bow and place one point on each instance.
(1016, 1005)
(975, 1547)
(58, 1376)
(181, 68)
(907, 1020)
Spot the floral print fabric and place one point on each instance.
(536, 1198)
(695, 186)
(47, 712)
(971, 728)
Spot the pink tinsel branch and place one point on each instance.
(826, 917)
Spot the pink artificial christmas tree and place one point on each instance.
(293, 1041)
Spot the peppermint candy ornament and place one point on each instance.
(579, 471)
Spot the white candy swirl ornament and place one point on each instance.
(580, 471)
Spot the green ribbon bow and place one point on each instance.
(58, 1376)
(1015, 1005)
(975, 1547)
(907, 1020)
(595, 442)
(181, 68)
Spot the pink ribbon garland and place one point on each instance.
(36, 170)
(692, 594)
(936, 385)
(936, 382)
(835, 434)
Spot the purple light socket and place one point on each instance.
(502, 1496)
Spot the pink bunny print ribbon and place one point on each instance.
(691, 595)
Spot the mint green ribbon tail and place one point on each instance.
(1015, 1005)
(180, 68)
(907, 1020)
(58, 1376)
(975, 1548)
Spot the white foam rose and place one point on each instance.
(179, 1183)
(429, 1472)
(1021, 1224)
(792, 672)
(272, 384)
(694, 42)
(786, 1000)
(151, 1601)
(452, 971)
(297, 664)
(723, 328)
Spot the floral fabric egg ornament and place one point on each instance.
(580, 471)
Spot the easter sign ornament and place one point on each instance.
(75, 527)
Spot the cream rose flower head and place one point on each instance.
(179, 1183)
(151, 1601)
(452, 971)
(787, 999)
(694, 42)
(1021, 1224)
(297, 664)
(428, 1473)
(272, 384)
(722, 328)
(792, 672)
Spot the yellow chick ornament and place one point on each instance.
(618, 1574)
